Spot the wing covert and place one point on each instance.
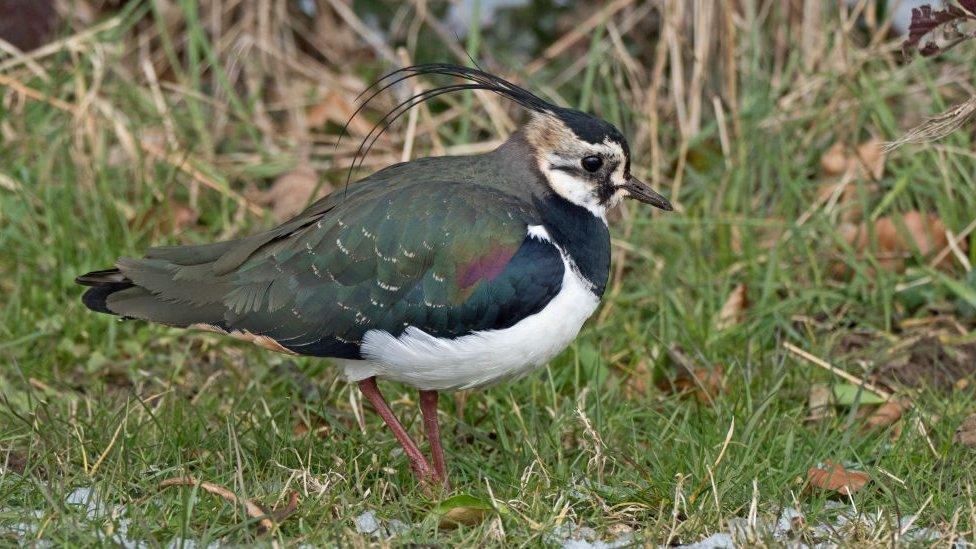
(448, 258)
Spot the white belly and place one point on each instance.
(482, 358)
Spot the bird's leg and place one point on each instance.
(428, 407)
(418, 462)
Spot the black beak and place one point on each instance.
(642, 192)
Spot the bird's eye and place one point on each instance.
(591, 163)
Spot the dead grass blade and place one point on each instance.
(734, 310)
(265, 518)
(937, 127)
(817, 361)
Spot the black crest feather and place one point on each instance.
(477, 79)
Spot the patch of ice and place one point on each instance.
(20, 529)
(85, 496)
(585, 532)
(785, 522)
(721, 540)
(187, 543)
(80, 496)
(740, 529)
(396, 527)
(367, 523)
(569, 535)
(625, 540)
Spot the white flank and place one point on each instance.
(482, 358)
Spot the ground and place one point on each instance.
(680, 414)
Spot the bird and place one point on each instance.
(441, 273)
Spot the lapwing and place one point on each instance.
(441, 273)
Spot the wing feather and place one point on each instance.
(386, 257)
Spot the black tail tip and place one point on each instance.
(96, 298)
(103, 284)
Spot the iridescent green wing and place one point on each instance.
(434, 255)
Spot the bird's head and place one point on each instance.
(586, 160)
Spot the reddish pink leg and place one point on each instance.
(428, 407)
(417, 460)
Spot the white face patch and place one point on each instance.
(579, 191)
(561, 169)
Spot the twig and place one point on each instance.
(817, 361)
(104, 454)
(253, 509)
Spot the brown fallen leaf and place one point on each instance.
(280, 514)
(336, 108)
(638, 380)
(14, 462)
(169, 218)
(851, 205)
(871, 158)
(885, 414)
(848, 172)
(292, 192)
(462, 510)
(966, 433)
(833, 162)
(837, 479)
(466, 516)
(320, 428)
(867, 160)
(926, 358)
(820, 405)
(734, 310)
(690, 378)
(253, 510)
(897, 239)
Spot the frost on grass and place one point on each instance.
(85, 497)
(790, 529)
(720, 540)
(369, 523)
(95, 510)
(569, 535)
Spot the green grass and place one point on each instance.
(91, 402)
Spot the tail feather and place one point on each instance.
(138, 302)
(96, 297)
(146, 289)
(103, 277)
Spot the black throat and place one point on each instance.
(582, 235)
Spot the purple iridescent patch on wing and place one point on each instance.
(485, 267)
